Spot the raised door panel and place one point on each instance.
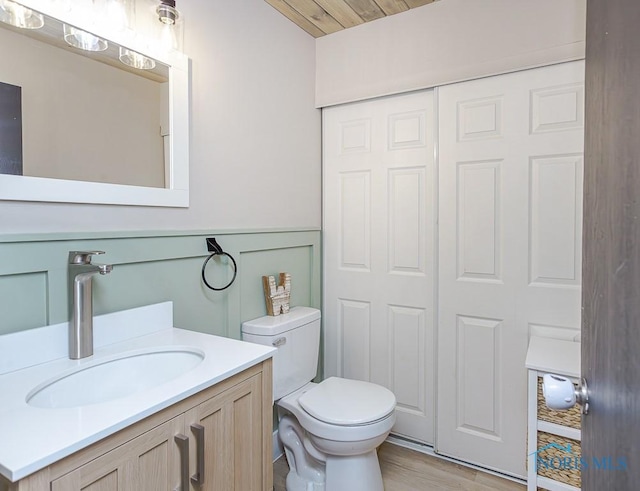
(149, 462)
(355, 218)
(556, 227)
(410, 355)
(478, 220)
(233, 443)
(354, 325)
(478, 376)
(406, 234)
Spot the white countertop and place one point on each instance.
(554, 356)
(32, 438)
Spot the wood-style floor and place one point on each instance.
(408, 470)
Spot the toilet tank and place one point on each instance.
(296, 334)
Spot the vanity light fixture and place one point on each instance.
(83, 39)
(167, 13)
(16, 15)
(136, 60)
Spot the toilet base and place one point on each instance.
(312, 469)
(296, 483)
(354, 473)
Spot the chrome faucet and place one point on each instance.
(81, 272)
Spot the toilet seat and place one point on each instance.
(346, 402)
(344, 433)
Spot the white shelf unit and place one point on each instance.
(561, 357)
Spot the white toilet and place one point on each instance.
(330, 431)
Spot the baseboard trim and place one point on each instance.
(278, 451)
(429, 450)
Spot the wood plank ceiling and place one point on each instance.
(320, 17)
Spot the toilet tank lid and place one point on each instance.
(272, 325)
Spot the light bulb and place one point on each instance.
(168, 38)
(169, 31)
(19, 16)
(136, 60)
(83, 39)
(167, 13)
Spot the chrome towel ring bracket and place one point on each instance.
(214, 248)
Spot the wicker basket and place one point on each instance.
(568, 474)
(570, 418)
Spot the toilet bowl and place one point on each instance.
(331, 430)
(344, 447)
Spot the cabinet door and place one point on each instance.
(233, 431)
(149, 462)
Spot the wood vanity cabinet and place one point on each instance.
(231, 422)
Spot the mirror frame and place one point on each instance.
(176, 192)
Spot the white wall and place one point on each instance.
(255, 135)
(444, 42)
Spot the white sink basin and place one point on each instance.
(114, 377)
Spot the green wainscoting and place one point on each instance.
(154, 267)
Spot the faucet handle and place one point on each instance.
(82, 257)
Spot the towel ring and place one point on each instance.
(216, 250)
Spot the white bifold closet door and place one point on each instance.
(379, 213)
(510, 216)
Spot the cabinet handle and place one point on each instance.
(183, 446)
(198, 477)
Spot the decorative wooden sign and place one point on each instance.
(277, 296)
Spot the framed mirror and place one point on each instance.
(109, 126)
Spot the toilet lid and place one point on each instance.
(346, 402)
